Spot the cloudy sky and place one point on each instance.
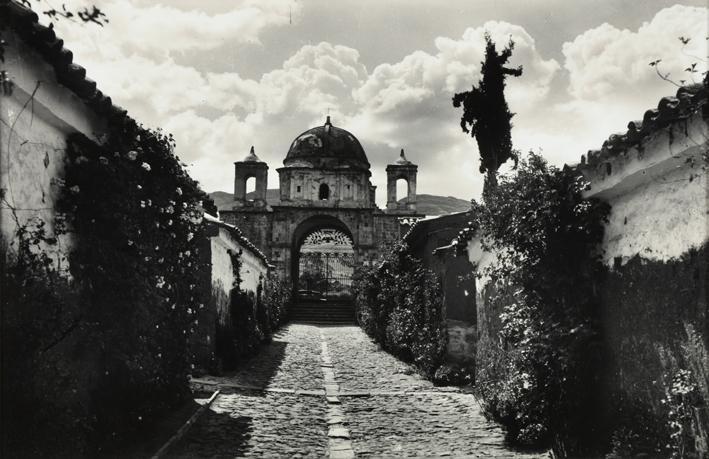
(225, 75)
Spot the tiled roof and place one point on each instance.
(25, 23)
(688, 100)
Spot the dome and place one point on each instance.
(326, 146)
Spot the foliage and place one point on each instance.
(42, 315)
(690, 72)
(453, 374)
(538, 381)
(105, 344)
(678, 427)
(276, 301)
(684, 424)
(486, 115)
(139, 253)
(85, 14)
(399, 304)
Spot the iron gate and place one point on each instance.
(326, 264)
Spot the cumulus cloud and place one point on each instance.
(217, 116)
(606, 60)
(158, 31)
(408, 103)
(611, 83)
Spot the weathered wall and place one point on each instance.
(301, 186)
(430, 241)
(655, 250)
(36, 116)
(224, 241)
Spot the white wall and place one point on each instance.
(658, 193)
(34, 123)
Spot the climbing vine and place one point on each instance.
(538, 378)
(139, 255)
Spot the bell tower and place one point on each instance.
(250, 167)
(406, 170)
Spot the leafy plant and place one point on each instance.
(399, 304)
(537, 379)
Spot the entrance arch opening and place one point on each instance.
(323, 256)
(326, 261)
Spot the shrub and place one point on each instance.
(538, 379)
(453, 374)
(108, 341)
(276, 301)
(399, 304)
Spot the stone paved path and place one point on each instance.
(330, 392)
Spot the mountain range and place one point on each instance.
(427, 204)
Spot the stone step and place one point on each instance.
(322, 322)
(323, 312)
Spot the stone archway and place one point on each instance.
(323, 258)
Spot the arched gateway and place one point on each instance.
(323, 258)
(324, 221)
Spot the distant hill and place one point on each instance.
(430, 204)
(427, 204)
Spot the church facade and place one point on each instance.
(325, 221)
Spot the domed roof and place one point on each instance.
(326, 146)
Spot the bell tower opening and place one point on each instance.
(324, 192)
(250, 188)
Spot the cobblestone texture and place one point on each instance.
(414, 419)
(290, 361)
(265, 424)
(361, 365)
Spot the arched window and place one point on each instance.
(324, 192)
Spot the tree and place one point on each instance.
(486, 115)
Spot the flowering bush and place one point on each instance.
(537, 375)
(139, 264)
(400, 305)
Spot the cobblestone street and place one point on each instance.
(330, 391)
